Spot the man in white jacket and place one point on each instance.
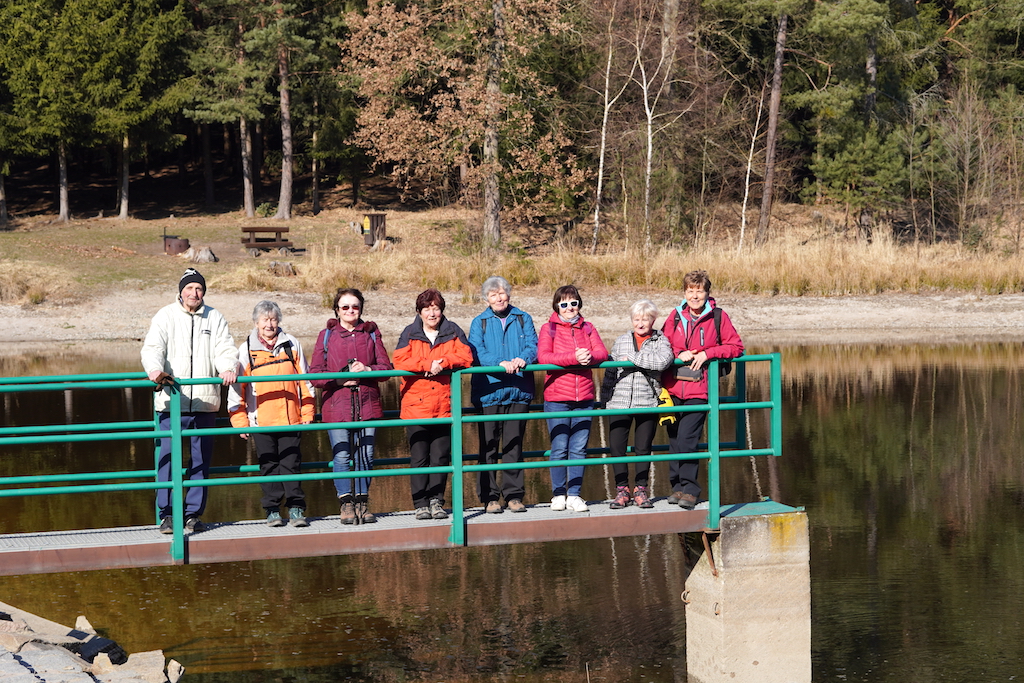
(188, 340)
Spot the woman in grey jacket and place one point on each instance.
(635, 387)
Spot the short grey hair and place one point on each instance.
(268, 308)
(644, 307)
(493, 284)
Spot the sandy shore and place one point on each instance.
(765, 322)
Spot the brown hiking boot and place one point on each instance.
(363, 514)
(516, 505)
(493, 507)
(348, 511)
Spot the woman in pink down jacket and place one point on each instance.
(567, 340)
(695, 338)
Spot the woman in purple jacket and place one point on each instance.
(567, 340)
(350, 344)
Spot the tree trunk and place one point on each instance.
(207, 165)
(669, 38)
(492, 197)
(750, 165)
(315, 170)
(872, 72)
(64, 212)
(3, 202)
(773, 125)
(256, 148)
(125, 170)
(247, 195)
(284, 203)
(609, 101)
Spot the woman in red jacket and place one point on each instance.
(696, 337)
(567, 340)
(350, 344)
(432, 344)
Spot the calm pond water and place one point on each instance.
(907, 459)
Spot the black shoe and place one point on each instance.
(193, 524)
(166, 526)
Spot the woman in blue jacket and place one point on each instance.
(502, 335)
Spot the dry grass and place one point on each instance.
(435, 248)
(33, 283)
(790, 265)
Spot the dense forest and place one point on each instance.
(631, 119)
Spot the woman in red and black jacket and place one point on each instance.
(696, 337)
(431, 345)
(350, 344)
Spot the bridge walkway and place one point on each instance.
(144, 546)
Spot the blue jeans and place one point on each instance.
(201, 450)
(353, 450)
(569, 436)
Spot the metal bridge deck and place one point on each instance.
(144, 546)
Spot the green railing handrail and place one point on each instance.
(150, 429)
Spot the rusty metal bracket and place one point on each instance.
(707, 550)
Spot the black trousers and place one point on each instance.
(429, 446)
(683, 437)
(504, 441)
(279, 454)
(643, 437)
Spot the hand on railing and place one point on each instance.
(161, 378)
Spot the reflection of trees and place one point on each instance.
(909, 462)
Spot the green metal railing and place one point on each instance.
(54, 484)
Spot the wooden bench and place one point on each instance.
(251, 238)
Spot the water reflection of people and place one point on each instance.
(431, 345)
(188, 340)
(350, 344)
(502, 335)
(269, 351)
(699, 331)
(624, 388)
(568, 340)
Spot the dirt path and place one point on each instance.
(764, 322)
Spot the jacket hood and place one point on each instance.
(445, 330)
(558, 320)
(362, 326)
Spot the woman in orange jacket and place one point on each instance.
(269, 350)
(431, 345)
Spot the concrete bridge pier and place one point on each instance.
(748, 603)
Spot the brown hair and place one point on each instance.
(429, 297)
(565, 292)
(347, 292)
(697, 278)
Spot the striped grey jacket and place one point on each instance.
(637, 387)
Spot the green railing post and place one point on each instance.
(741, 395)
(458, 533)
(776, 401)
(714, 448)
(177, 494)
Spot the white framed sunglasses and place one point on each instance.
(569, 304)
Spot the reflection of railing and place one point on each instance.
(149, 429)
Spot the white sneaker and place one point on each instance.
(576, 504)
(558, 503)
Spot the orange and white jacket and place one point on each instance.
(271, 404)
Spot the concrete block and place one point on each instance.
(752, 622)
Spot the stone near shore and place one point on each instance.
(33, 649)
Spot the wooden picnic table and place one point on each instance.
(251, 237)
